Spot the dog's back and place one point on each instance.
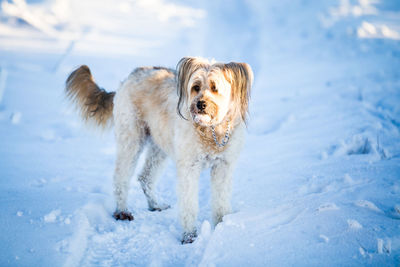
(144, 86)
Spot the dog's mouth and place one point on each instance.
(202, 117)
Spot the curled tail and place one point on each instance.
(95, 104)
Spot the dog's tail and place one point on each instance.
(95, 104)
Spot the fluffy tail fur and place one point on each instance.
(95, 104)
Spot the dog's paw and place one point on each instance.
(189, 237)
(159, 207)
(123, 215)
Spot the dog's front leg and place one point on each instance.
(188, 198)
(221, 189)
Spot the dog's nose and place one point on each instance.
(201, 105)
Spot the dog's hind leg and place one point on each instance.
(129, 146)
(130, 138)
(155, 160)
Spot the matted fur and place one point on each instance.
(94, 103)
(147, 112)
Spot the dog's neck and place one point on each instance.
(215, 137)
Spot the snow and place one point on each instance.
(353, 224)
(316, 184)
(324, 238)
(16, 117)
(52, 216)
(368, 205)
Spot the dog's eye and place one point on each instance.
(214, 88)
(196, 88)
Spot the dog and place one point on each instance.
(195, 114)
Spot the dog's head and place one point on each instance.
(213, 91)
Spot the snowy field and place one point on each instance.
(317, 184)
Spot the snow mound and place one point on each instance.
(353, 224)
(368, 205)
(52, 216)
(327, 207)
(359, 144)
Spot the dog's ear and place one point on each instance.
(240, 76)
(185, 68)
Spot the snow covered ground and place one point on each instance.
(318, 182)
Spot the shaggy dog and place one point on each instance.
(196, 115)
